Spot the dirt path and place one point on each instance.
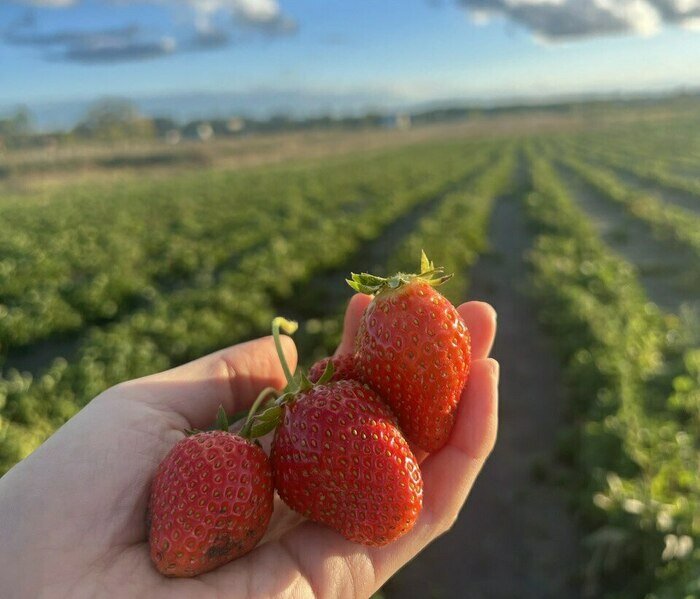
(662, 266)
(515, 537)
(677, 197)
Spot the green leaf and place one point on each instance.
(425, 264)
(272, 413)
(373, 285)
(356, 286)
(261, 428)
(306, 384)
(294, 385)
(221, 419)
(439, 281)
(327, 373)
(369, 280)
(265, 422)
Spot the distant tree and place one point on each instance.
(112, 119)
(22, 121)
(163, 125)
(110, 112)
(16, 129)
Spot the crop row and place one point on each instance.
(454, 234)
(305, 235)
(634, 382)
(457, 233)
(668, 222)
(89, 255)
(674, 143)
(654, 170)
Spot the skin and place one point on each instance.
(72, 514)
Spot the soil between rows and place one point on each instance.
(676, 197)
(662, 266)
(515, 536)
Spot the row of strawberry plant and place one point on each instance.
(673, 142)
(634, 384)
(668, 222)
(86, 255)
(654, 170)
(464, 213)
(457, 233)
(230, 307)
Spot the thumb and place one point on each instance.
(231, 377)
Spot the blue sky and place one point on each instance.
(388, 51)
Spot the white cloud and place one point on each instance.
(247, 11)
(257, 10)
(554, 20)
(264, 15)
(534, 2)
(51, 3)
(481, 17)
(106, 49)
(639, 15)
(686, 6)
(213, 23)
(692, 24)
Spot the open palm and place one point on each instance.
(72, 514)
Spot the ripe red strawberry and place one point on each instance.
(339, 459)
(343, 368)
(211, 502)
(413, 348)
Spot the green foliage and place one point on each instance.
(636, 442)
(456, 232)
(15, 130)
(146, 275)
(113, 119)
(666, 220)
(179, 268)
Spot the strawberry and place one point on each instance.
(339, 459)
(413, 348)
(338, 456)
(343, 368)
(211, 501)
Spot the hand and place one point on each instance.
(72, 514)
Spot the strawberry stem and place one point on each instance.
(289, 327)
(248, 424)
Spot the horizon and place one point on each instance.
(191, 106)
(339, 59)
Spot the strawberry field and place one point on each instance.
(591, 234)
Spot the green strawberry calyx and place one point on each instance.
(264, 416)
(373, 285)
